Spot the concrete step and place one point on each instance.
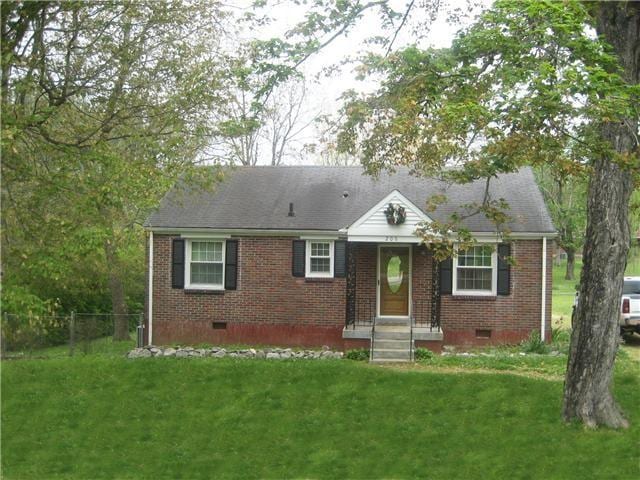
(379, 353)
(392, 321)
(392, 334)
(391, 344)
(392, 328)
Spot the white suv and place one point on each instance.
(630, 306)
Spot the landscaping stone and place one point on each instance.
(219, 352)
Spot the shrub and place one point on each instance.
(358, 354)
(561, 338)
(560, 335)
(534, 344)
(422, 354)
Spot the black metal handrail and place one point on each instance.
(411, 338)
(373, 336)
(364, 313)
(421, 316)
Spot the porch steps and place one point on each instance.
(390, 321)
(392, 341)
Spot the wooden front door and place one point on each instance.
(394, 280)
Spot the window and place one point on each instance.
(475, 271)
(319, 258)
(205, 264)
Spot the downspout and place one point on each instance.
(150, 304)
(543, 316)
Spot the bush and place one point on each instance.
(358, 354)
(422, 354)
(534, 344)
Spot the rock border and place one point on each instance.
(150, 351)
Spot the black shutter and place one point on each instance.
(340, 259)
(231, 265)
(446, 276)
(504, 269)
(177, 263)
(298, 258)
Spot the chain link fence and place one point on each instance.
(73, 334)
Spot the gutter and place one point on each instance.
(543, 316)
(150, 304)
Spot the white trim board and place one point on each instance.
(150, 293)
(328, 234)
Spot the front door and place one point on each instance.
(394, 280)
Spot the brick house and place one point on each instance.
(310, 256)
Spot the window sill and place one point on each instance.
(205, 291)
(468, 296)
(319, 279)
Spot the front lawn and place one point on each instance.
(564, 291)
(108, 417)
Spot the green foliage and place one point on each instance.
(566, 199)
(526, 84)
(423, 354)
(534, 344)
(309, 409)
(100, 117)
(19, 300)
(358, 354)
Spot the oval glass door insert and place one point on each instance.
(394, 273)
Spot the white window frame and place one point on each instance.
(187, 265)
(308, 272)
(494, 274)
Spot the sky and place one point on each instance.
(323, 92)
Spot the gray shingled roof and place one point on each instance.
(259, 197)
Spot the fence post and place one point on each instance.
(140, 331)
(3, 342)
(31, 333)
(72, 333)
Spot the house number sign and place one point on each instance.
(391, 239)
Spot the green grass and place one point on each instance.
(101, 346)
(106, 417)
(564, 290)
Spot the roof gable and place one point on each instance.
(373, 225)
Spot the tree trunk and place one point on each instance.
(571, 263)
(116, 287)
(595, 338)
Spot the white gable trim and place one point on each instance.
(373, 227)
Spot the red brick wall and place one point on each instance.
(366, 279)
(422, 284)
(269, 307)
(509, 318)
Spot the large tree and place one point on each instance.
(104, 105)
(529, 83)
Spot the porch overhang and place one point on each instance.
(419, 333)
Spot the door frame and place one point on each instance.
(380, 247)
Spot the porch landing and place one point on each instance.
(392, 339)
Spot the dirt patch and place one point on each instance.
(408, 367)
